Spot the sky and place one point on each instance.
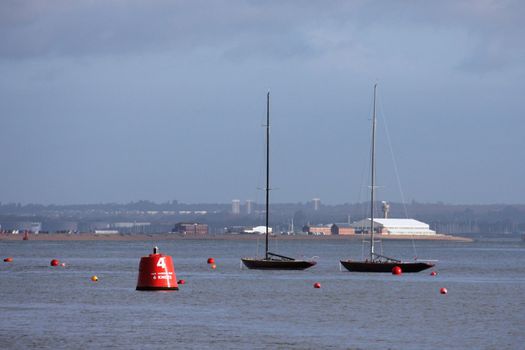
(118, 101)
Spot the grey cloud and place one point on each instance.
(244, 29)
(36, 28)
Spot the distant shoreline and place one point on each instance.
(233, 237)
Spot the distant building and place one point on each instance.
(236, 207)
(187, 228)
(386, 209)
(34, 227)
(62, 226)
(131, 227)
(234, 229)
(343, 229)
(330, 229)
(394, 227)
(258, 230)
(317, 203)
(22, 226)
(106, 232)
(318, 230)
(249, 206)
(99, 225)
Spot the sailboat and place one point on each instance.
(273, 261)
(377, 262)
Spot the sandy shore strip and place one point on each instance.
(175, 236)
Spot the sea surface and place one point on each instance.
(46, 307)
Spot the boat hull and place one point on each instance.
(275, 264)
(367, 266)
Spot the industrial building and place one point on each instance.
(318, 230)
(257, 229)
(342, 229)
(394, 227)
(187, 228)
(330, 229)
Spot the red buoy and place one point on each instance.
(181, 282)
(443, 291)
(433, 273)
(156, 272)
(8, 259)
(211, 261)
(317, 285)
(396, 270)
(213, 266)
(55, 262)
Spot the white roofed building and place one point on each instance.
(258, 229)
(394, 227)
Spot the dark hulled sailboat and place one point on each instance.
(377, 262)
(273, 261)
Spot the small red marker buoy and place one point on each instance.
(443, 291)
(181, 282)
(317, 285)
(63, 264)
(433, 273)
(156, 272)
(211, 261)
(8, 259)
(54, 262)
(396, 270)
(213, 266)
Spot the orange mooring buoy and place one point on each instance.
(8, 259)
(54, 262)
(94, 278)
(213, 266)
(211, 261)
(317, 285)
(156, 272)
(396, 270)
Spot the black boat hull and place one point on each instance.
(274, 264)
(367, 266)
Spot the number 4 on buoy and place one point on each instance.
(162, 262)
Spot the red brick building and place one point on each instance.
(319, 230)
(190, 228)
(332, 229)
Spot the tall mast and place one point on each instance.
(373, 175)
(267, 166)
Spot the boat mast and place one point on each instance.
(372, 187)
(267, 166)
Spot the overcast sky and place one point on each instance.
(117, 101)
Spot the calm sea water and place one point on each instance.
(229, 308)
